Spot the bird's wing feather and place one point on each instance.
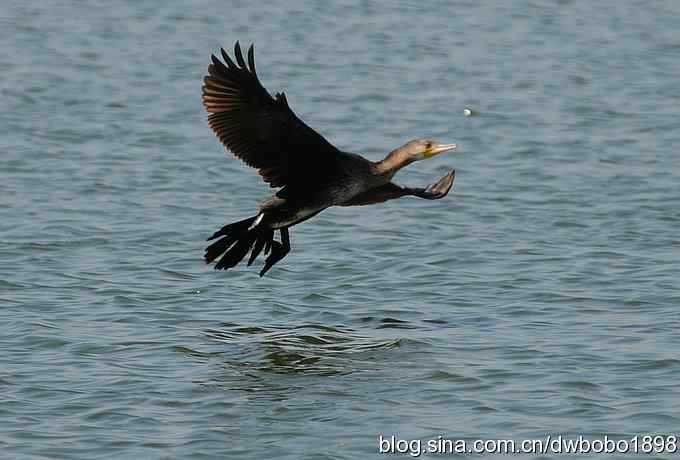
(260, 129)
(391, 191)
(436, 190)
(379, 194)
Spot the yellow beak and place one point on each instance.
(439, 148)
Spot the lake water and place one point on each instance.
(541, 297)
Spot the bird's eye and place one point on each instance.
(428, 145)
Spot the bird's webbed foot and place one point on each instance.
(437, 190)
(278, 251)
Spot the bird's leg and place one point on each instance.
(279, 251)
(285, 239)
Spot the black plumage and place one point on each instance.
(311, 173)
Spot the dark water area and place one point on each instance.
(540, 297)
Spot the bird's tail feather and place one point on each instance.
(233, 228)
(237, 239)
(264, 240)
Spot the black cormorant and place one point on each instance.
(312, 174)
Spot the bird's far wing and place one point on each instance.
(391, 191)
(376, 195)
(437, 190)
(261, 130)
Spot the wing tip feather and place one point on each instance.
(236, 103)
(239, 56)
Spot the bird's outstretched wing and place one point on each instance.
(391, 191)
(260, 129)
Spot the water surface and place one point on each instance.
(540, 297)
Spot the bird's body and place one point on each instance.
(291, 205)
(313, 174)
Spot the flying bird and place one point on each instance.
(310, 172)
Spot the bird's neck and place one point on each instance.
(392, 163)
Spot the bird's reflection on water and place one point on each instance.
(307, 349)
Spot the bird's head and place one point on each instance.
(417, 149)
(420, 149)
